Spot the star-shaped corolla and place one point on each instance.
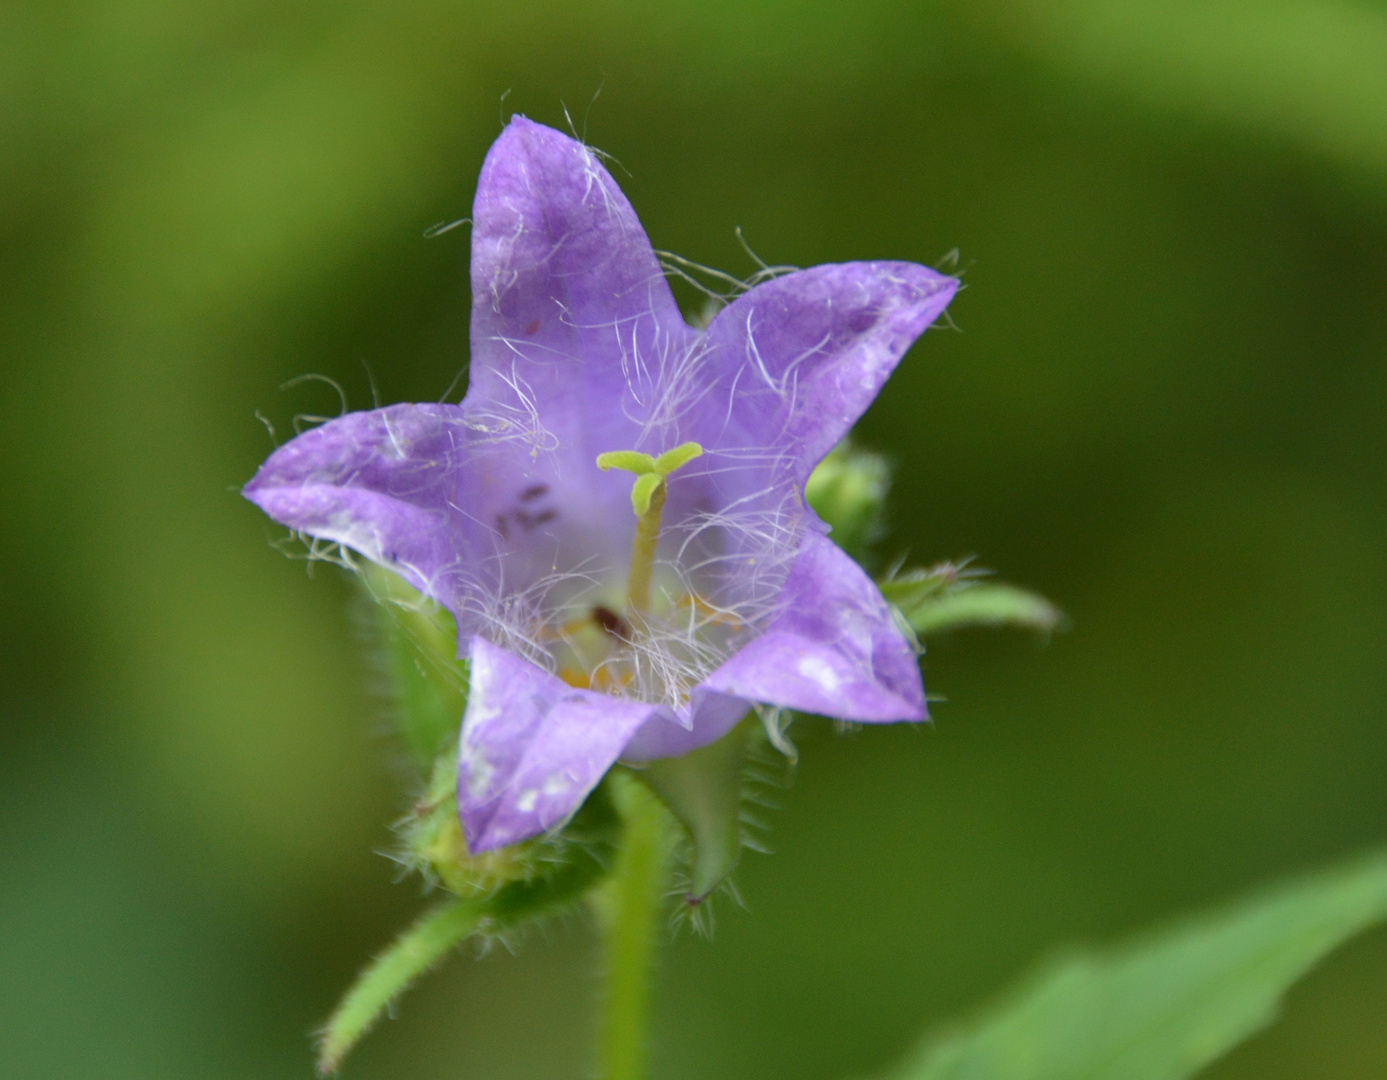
(496, 508)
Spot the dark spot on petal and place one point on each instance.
(533, 492)
(502, 527)
(611, 622)
(530, 522)
(531, 326)
(862, 320)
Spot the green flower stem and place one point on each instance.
(633, 900)
(416, 950)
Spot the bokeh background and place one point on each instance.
(1164, 407)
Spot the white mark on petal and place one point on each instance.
(556, 784)
(820, 672)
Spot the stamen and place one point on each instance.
(611, 622)
(711, 614)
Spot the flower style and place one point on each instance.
(604, 621)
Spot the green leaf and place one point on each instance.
(983, 605)
(428, 681)
(704, 791)
(1164, 1006)
(414, 952)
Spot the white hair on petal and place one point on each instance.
(518, 421)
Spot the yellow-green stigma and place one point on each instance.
(648, 501)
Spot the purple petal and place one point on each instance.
(834, 649)
(576, 339)
(800, 358)
(430, 492)
(663, 736)
(571, 312)
(384, 483)
(532, 747)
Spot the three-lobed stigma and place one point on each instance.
(648, 502)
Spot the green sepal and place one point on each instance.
(948, 597)
(986, 605)
(848, 491)
(427, 680)
(538, 898)
(703, 789)
(908, 590)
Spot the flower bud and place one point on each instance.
(848, 490)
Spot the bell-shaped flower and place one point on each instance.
(606, 617)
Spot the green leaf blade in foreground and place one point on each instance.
(1164, 1006)
(414, 952)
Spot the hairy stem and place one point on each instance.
(417, 950)
(633, 897)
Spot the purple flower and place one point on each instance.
(497, 509)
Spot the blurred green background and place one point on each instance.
(1165, 409)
